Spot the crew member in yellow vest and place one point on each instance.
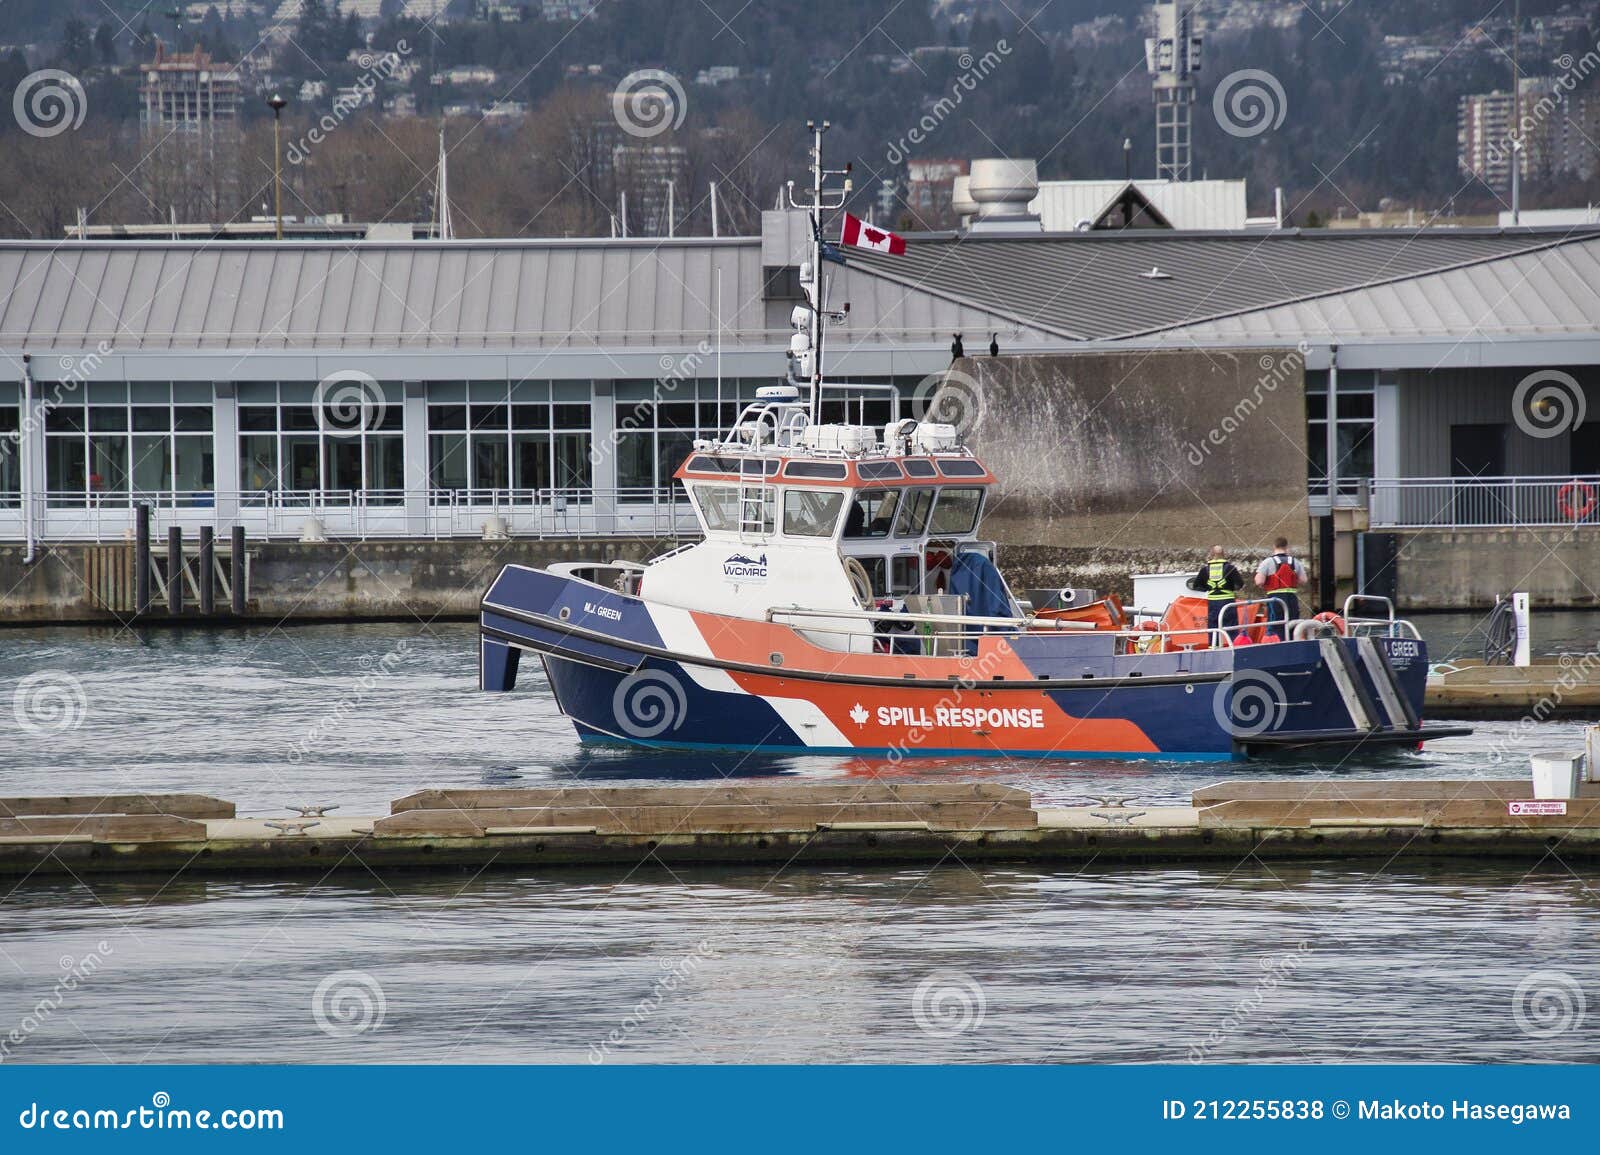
(1220, 580)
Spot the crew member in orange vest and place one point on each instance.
(1281, 575)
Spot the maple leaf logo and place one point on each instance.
(874, 236)
(858, 715)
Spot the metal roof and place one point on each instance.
(404, 295)
(1553, 291)
(1113, 285)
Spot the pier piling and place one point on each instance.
(174, 570)
(141, 559)
(238, 570)
(204, 577)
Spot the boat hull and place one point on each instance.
(626, 671)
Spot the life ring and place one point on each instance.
(1576, 500)
(1333, 620)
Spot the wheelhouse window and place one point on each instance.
(719, 506)
(810, 512)
(956, 511)
(872, 513)
(914, 510)
(109, 442)
(292, 441)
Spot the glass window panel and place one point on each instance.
(65, 464)
(258, 463)
(486, 390)
(571, 417)
(341, 463)
(300, 463)
(489, 416)
(297, 392)
(1355, 451)
(579, 391)
(530, 417)
(636, 460)
(194, 466)
(447, 417)
(192, 393)
(251, 417)
(150, 392)
(875, 574)
(490, 462)
(904, 575)
(810, 512)
(257, 392)
(956, 511)
(391, 418)
(152, 464)
(872, 513)
(447, 391)
(447, 460)
(574, 465)
(192, 418)
(630, 391)
(530, 391)
(108, 418)
(530, 460)
(1358, 405)
(914, 511)
(386, 463)
(675, 415)
(1316, 406)
(107, 392)
(152, 419)
(10, 418)
(719, 505)
(672, 449)
(636, 415)
(10, 466)
(301, 418)
(108, 464)
(64, 419)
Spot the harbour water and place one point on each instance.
(990, 963)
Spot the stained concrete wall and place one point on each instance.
(423, 579)
(1465, 569)
(1144, 451)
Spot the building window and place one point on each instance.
(10, 450)
(1354, 428)
(288, 448)
(118, 442)
(657, 423)
(498, 442)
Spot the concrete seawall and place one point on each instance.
(339, 580)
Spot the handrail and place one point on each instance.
(1021, 625)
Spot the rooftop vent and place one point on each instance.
(1002, 189)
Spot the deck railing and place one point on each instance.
(358, 513)
(1484, 502)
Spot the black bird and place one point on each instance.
(994, 344)
(957, 350)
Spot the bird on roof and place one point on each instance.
(994, 344)
(957, 350)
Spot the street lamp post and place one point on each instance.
(276, 103)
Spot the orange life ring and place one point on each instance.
(1333, 620)
(1576, 500)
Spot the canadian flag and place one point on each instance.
(863, 236)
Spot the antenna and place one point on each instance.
(1172, 56)
(811, 271)
(445, 231)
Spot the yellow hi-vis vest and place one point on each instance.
(1217, 582)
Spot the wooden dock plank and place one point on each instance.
(1293, 790)
(182, 805)
(1436, 812)
(709, 818)
(721, 793)
(105, 827)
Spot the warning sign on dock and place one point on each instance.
(1542, 806)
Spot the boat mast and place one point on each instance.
(812, 285)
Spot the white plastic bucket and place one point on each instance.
(1556, 775)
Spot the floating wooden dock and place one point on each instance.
(1366, 823)
(1542, 691)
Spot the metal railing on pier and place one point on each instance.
(1484, 502)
